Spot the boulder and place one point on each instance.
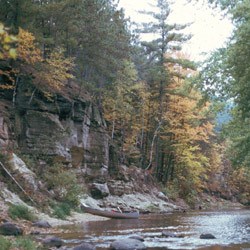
(42, 224)
(84, 246)
(52, 242)
(19, 169)
(162, 196)
(35, 233)
(8, 228)
(99, 190)
(137, 237)
(207, 236)
(127, 244)
(90, 202)
(168, 234)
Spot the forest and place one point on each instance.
(161, 108)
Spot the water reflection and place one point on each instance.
(228, 227)
(231, 229)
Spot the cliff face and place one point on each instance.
(66, 125)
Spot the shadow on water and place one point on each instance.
(231, 229)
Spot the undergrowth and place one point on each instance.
(61, 210)
(18, 211)
(22, 243)
(5, 243)
(64, 184)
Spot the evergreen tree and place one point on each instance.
(167, 38)
(104, 43)
(15, 13)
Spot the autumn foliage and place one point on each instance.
(27, 50)
(6, 44)
(48, 74)
(184, 132)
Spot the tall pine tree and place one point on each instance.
(167, 38)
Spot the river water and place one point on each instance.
(231, 229)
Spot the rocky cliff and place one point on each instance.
(69, 128)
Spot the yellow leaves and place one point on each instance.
(49, 75)
(185, 119)
(188, 130)
(13, 53)
(58, 69)
(27, 50)
(7, 51)
(7, 42)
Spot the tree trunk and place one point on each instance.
(152, 146)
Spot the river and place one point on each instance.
(231, 229)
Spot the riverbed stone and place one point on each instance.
(137, 237)
(52, 242)
(207, 236)
(42, 224)
(9, 228)
(168, 234)
(127, 244)
(84, 246)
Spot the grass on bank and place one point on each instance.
(18, 211)
(23, 243)
(61, 210)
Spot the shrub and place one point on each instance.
(25, 244)
(4, 243)
(64, 184)
(21, 212)
(171, 191)
(61, 210)
(21, 243)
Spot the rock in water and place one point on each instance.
(84, 246)
(52, 242)
(137, 237)
(168, 234)
(207, 236)
(127, 244)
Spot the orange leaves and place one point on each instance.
(49, 74)
(185, 119)
(187, 129)
(26, 49)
